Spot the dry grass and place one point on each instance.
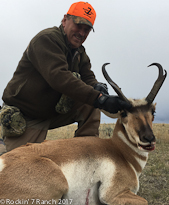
(106, 131)
(161, 132)
(154, 180)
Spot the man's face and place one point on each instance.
(76, 33)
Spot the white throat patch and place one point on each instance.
(2, 165)
(122, 137)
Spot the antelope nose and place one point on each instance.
(149, 138)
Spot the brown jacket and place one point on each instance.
(45, 72)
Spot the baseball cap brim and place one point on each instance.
(81, 20)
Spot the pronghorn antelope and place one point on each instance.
(86, 170)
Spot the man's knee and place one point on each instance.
(88, 119)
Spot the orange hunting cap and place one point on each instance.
(82, 13)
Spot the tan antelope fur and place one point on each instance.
(84, 170)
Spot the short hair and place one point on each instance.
(68, 17)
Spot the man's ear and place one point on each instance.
(64, 20)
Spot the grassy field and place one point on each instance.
(154, 180)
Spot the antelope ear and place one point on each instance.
(154, 106)
(108, 114)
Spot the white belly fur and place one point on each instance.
(84, 177)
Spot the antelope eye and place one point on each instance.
(123, 114)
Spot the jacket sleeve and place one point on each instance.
(48, 57)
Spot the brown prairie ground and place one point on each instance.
(154, 180)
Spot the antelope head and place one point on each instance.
(137, 122)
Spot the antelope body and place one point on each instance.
(85, 170)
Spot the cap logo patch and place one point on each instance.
(88, 12)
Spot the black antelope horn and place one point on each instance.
(113, 84)
(158, 83)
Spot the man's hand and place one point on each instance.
(111, 103)
(102, 87)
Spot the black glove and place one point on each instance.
(102, 87)
(111, 103)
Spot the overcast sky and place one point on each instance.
(129, 34)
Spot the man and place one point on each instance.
(53, 84)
